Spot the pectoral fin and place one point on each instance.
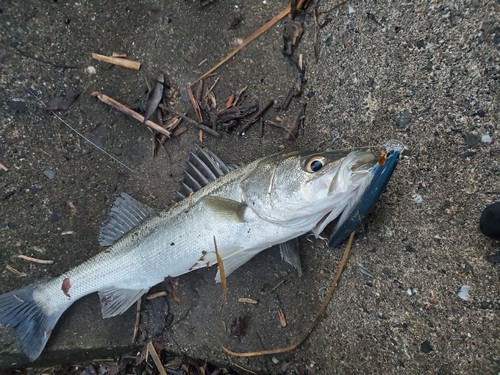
(116, 301)
(290, 253)
(224, 208)
(125, 214)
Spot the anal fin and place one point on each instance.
(290, 253)
(235, 261)
(115, 301)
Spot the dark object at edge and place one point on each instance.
(368, 199)
(489, 223)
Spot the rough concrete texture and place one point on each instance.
(424, 72)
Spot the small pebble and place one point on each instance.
(426, 347)
(417, 198)
(403, 120)
(486, 138)
(489, 223)
(463, 293)
(90, 70)
(49, 173)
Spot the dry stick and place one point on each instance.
(120, 61)
(255, 35)
(195, 104)
(156, 295)
(14, 271)
(194, 123)
(221, 271)
(123, 108)
(156, 359)
(316, 319)
(3, 167)
(137, 319)
(35, 260)
(255, 117)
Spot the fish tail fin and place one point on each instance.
(33, 326)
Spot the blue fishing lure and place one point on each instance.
(382, 174)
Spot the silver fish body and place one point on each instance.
(268, 202)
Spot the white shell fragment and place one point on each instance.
(463, 293)
(417, 198)
(486, 138)
(90, 70)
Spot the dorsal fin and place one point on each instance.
(125, 214)
(202, 168)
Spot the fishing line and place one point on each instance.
(77, 132)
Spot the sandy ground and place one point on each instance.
(424, 72)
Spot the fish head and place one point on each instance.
(302, 189)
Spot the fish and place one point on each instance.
(247, 209)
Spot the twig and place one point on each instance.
(120, 61)
(195, 104)
(294, 92)
(14, 271)
(316, 319)
(34, 260)
(298, 122)
(194, 123)
(137, 319)
(3, 167)
(156, 295)
(123, 108)
(256, 116)
(248, 300)
(222, 273)
(249, 39)
(156, 359)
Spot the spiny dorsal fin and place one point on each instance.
(125, 214)
(202, 168)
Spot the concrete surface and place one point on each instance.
(424, 72)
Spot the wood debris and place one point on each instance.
(156, 295)
(222, 273)
(297, 124)
(248, 300)
(34, 260)
(156, 358)
(3, 167)
(256, 117)
(119, 61)
(14, 271)
(137, 319)
(282, 318)
(124, 109)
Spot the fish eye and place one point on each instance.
(315, 163)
